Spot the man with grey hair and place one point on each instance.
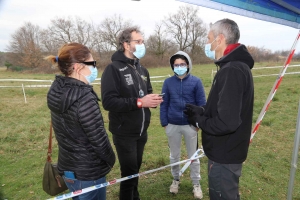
(127, 94)
(226, 119)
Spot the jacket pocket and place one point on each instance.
(131, 121)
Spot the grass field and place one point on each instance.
(24, 129)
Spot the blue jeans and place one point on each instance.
(74, 184)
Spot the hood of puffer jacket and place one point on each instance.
(64, 92)
(172, 59)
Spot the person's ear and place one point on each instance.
(77, 67)
(125, 46)
(222, 39)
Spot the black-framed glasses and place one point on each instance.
(93, 63)
(139, 41)
(180, 65)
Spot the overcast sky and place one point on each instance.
(145, 13)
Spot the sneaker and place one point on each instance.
(174, 187)
(197, 192)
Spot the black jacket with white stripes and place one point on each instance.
(121, 82)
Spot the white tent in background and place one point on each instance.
(285, 12)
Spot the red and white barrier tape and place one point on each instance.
(199, 153)
(187, 164)
(275, 87)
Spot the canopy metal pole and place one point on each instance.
(294, 157)
(275, 87)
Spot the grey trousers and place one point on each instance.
(223, 180)
(175, 133)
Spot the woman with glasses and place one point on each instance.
(85, 154)
(180, 89)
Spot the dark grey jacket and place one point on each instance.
(227, 120)
(77, 121)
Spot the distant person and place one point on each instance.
(226, 120)
(85, 154)
(127, 95)
(178, 90)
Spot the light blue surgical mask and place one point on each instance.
(94, 73)
(180, 70)
(210, 54)
(140, 51)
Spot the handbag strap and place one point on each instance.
(49, 153)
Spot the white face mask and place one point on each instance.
(140, 51)
(180, 70)
(94, 73)
(210, 54)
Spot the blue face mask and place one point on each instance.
(210, 54)
(180, 70)
(140, 51)
(94, 73)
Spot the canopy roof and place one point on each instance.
(285, 12)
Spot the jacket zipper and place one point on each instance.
(137, 76)
(143, 122)
(181, 99)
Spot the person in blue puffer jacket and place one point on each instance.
(178, 90)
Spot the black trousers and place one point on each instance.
(130, 154)
(223, 180)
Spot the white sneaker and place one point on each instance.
(197, 192)
(174, 187)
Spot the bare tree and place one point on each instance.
(25, 44)
(261, 54)
(48, 43)
(158, 43)
(2, 58)
(101, 48)
(187, 29)
(198, 39)
(61, 29)
(65, 30)
(82, 31)
(110, 28)
(104, 39)
(99, 43)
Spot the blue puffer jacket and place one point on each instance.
(179, 92)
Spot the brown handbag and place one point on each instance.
(53, 183)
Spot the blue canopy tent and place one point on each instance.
(285, 12)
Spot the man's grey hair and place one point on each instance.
(228, 28)
(125, 36)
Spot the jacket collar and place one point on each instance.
(120, 56)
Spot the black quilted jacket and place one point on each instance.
(78, 124)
